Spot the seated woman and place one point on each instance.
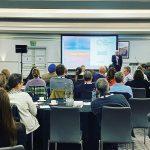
(23, 101)
(36, 87)
(11, 132)
(139, 82)
(2, 80)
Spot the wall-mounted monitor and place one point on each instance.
(91, 51)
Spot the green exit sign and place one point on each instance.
(33, 43)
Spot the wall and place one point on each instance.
(11, 60)
(139, 49)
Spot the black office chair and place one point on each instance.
(15, 112)
(116, 126)
(65, 126)
(126, 95)
(139, 92)
(140, 107)
(17, 147)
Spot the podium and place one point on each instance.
(133, 66)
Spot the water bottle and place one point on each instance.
(93, 94)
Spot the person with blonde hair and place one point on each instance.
(6, 72)
(3, 80)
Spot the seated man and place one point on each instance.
(84, 90)
(105, 99)
(119, 85)
(51, 73)
(60, 84)
(127, 74)
(101, 74)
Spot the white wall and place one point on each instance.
(139, 50)
(11, 60)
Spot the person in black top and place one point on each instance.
(11, 132)
(117, 61)
(139, 82)
(84, 90)
(105, 99)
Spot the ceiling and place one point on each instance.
(76, 4)
(80, 16)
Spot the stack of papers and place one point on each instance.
(78, 104)
(87, 103)
(44, 106)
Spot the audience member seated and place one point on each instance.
(142, 69)
(36, 87)
(111, 76)
(106, 99)
(23, 101)
(127, 74)
(119, 85)
(84, 90)
(139, 82)
(101, 74)
(3, 80)
(83, 68)
(11, 132)
(147, 71)
(51, 73)
(30, 76)
(59, 84)
(6, 72)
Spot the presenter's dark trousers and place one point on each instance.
(117, 67)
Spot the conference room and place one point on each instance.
(74, 41)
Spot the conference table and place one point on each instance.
(88, 126)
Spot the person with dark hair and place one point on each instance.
(147, 71)
(142, 69)
(30, 76)
(119, 85)
(111, 76)
(139, 82)
(84, 90)
(11, 132)
(23, 101)
(60, 83)
(105, 99)
(36, 81)
(78, 75)
(3, 80)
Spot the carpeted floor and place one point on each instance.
(138, 141)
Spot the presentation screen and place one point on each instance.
(91, 51)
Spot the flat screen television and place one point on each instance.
(89, 50)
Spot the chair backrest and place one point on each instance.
(140, 107)
(15, 112)
(126, 95)
(36, 92)
(57, 93)
(139, 92)
(17, 147)
(65, 125)
(116, 124)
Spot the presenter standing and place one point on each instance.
(117, 61)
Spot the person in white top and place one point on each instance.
(23, 101)
(127, 74)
